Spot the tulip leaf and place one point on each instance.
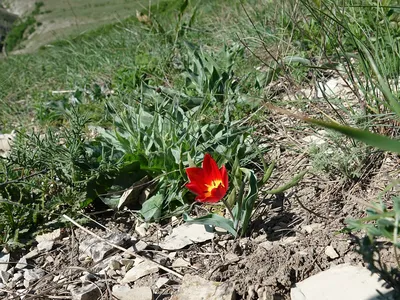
(288, 185)
(249, 200)
(213, 220)
(151, 208)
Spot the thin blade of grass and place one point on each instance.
(372, 139)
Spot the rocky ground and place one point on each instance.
(295, 235)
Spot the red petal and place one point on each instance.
(211, 169)
(195, 188)
(196, 175)
(225, 179)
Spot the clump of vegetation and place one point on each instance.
(17, 33)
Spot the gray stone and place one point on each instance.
(51, 236)
(32, 275)
(312, 227)
(128, 263)
(97, 249)
(144, 268)
(115, 265)
(231, 257)
(180, 263)
(2, 289)
(87, 292)
(4, 260)
(140, 246)
(17, 276)
(22, 263)
(185, 235)
(194, 287)
(4, 276)
(161, 281)
(331, 252)
(45, 246)
(344, 282)
(32, 254)
(141, 230)
(137, 293)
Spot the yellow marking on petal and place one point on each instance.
(214, 185)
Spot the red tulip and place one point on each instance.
(209, 183)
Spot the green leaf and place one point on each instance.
(151, 209)
(213, 220)
(288, 185)
(267, 175)
(249, 201)
(375, 140)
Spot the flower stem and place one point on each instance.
(229, 209)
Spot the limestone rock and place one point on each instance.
(126, 293)
(196, 288)
(344, 282)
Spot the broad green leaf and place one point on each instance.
(248, 202)
(213, 220)
(151, 209)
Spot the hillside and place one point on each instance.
(61, 19)
(180, 149)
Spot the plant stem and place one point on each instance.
(229, 210)
(239, 203)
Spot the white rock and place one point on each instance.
(4, 260)
(185, 235)
(172, 255)
(142, 269)
(4, 276)
(32, 254)
(194, 287)
(32, 275)
(231, 257)
(180, 263)
(17, 276)
(312, 227)
(141, 230)
(161, 281)
(140, 246)
(22, 263)
(2, 289)
(87, 292)
(344, 282)
(137, 293)
(5, 144)
(50, 236)
(45, 246)
(331, 252)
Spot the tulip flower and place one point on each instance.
(209, 183)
